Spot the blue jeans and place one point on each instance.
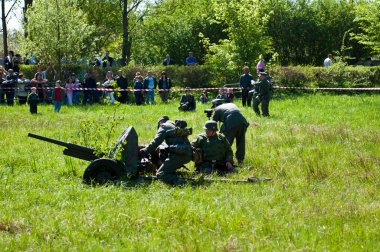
(149, 96)
(57, 106)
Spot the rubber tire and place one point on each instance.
(102, 171)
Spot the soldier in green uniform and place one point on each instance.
(214, 149)
(179, 150)
(234, 125)
(263, 93)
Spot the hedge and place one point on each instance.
(337, 75)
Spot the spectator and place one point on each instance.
(107, 60)
(138, 87)
(150, 83)
(204, 97)
(230, 95)
(98, 60)
(245, 81)
(58, 95)
(22, 86)
(39, 83)
(73, 88)
(2, 79)
(164, 84)
(187, 102)
(16, 63)
(90, 94)
(33, 100)
(191, 60)
(222, 95)
(8, 61)
(9, 86)
(328, 61)
(122, 83)
(260, 67)
(109, 83)
(167, 61)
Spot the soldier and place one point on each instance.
(264, 90)
(234, 125)
(245, 84)
(214, 149)
(179, 150)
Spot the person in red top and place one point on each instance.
(58, 94)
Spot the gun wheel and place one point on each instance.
(102, 171)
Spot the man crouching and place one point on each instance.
(216, 153)
(179, 149)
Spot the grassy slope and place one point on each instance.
(322, 152)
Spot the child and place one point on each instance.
(57, 96)
(33, 100)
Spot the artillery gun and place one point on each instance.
(103, 169)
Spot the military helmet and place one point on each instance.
(162, 119)
(216, 102)
(211, 125)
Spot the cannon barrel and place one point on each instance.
(72, 150)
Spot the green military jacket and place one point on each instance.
(213, 148)
(230, 115)
(264, 89)
(176, 144)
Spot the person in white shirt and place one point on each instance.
(328, 61)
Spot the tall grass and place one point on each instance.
(322, 152)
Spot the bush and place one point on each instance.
(337, 75)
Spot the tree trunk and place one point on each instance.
(5, 32)
(27, 3)
(126, 51)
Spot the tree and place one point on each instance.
(368, 19)
(57, 32)
(245, 24)
(4, 17)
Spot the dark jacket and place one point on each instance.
(187, 102)
(161, 83)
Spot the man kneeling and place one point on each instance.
(214, 149)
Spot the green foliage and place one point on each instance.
(57, 32)
(321, 151)
(368, 19)
(338, 75)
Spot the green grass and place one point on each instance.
(322, 151)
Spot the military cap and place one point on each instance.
(216, 102)
(211, 125)
(162, 118)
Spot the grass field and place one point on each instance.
(322, 151)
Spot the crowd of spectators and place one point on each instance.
(92, 88)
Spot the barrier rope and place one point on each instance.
(193, 89)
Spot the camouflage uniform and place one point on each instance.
(179, 152)
(215, 152)
(234, 126)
